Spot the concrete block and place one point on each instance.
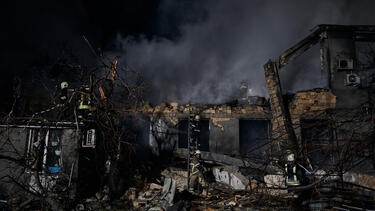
(221, 176)
(231, 176)
(275, 181)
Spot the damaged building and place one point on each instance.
(49, 150)
(329, 129)
(313, 149)
(42, 157)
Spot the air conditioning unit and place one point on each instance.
(352, 79)
(345, 64)
(90, 139)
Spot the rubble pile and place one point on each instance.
(172, 194)
(99, 201)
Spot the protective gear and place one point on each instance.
(195, 127)
(291, 170)
(64, 85)
(108, 166)
(290, 157)
(197, 152)
(64, 92)
(196, 174)
(84, 104)
(194, 168)
(291, 175)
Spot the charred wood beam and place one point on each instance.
(299, 48)
(359, 33)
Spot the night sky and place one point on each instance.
(36, 28)
(36, 31)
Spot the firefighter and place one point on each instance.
(195, 127)
(196, 124)
(84, 104)
(196, 171)
(197, 119)
(291, 170)
(63, 92)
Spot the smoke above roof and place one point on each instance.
(221, 43)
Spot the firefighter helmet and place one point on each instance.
(290, 157)
(197, 152)
(64, 85)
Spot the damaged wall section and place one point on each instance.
(220, 126)
(254, 137)
(204, 144)
(51, 151)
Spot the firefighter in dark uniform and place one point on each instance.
(84, 103)
(291, 170)
(196, 171)
(195, 127)
(63, 92)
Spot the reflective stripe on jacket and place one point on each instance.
(194, 168)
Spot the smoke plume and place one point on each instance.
(221, 43)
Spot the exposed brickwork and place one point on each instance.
(173, 107)
(307, 101)
(281, 128)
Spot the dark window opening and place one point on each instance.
(183, 133)
(36, 148)
(204, 136)
(317, 142)
(44, 149)
(53, 159)
(253, 137)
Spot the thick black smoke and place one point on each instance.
(221, 43)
